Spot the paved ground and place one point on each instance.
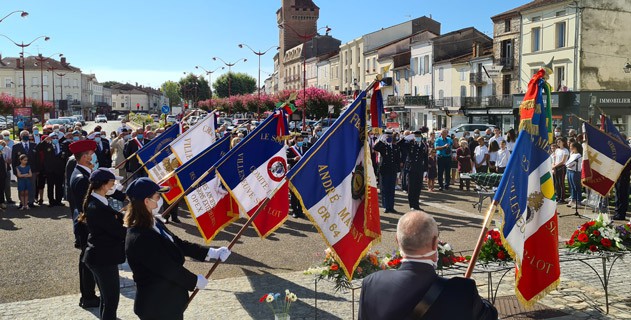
(39, 266)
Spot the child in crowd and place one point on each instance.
(503, 154)
(24, 175)
(432, 170)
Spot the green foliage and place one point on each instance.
(109, 84)
(171, 89)
(239, 83)
(194, 88)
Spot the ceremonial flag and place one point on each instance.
(526, 199)
(604, 158)
(160, 142)
(606, 125)
(336, 186)
(185, 147)
(376, 106)
(255, 170)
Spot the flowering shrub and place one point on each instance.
(624, 233)
(595, 236)
(492, 250)
(279, 306)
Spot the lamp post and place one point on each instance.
(305, 38)
(40, 60)
(259, 54)
(229, 65)
(210, 77)
(23, 14)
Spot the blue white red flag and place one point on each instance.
(527, 201)
(255, 170)
(337, 189)
(159, 143)
(604, 158)
(606, 125)
(376, 106)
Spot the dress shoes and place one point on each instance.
(175, 219)
(90, 303)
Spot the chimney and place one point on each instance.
(474, 49)
(63, 61)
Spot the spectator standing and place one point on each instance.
(573, 165)
(496, 137)
(481, 157)
(7, 154)
(503, 154)
(54, 163)
(117, 146)
(473, 142)
(493, 149)
(389, 167)
(30, 150)
(24, 174)
(3, 173)
(415, 165)
(454, 158)
(465, 165)
(511, 138)
(443, 148)
(561, 154)
(432, 170)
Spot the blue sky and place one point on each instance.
(150, 42)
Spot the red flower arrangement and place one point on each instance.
(492, 250)
(596, 236)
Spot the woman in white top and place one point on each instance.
(481, 157)
(502, 157)
(573, 165)
(511, 138)
(494, 147)
(561, 154)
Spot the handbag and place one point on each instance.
(429, 298)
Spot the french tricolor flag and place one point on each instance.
(255, 170)
(337, 188)
(604, 158)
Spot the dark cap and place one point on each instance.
(142, 188)
(418, 132)
(102, 174)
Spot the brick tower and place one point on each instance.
(295, 17)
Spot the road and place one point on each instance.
(38, 260)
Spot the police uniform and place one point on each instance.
(416, 165)
(388, 169)
(55, 157)
(294, 154)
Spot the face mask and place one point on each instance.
(111, 190)
(466, 136)
(56, 130)
(156, 211)
(35, 132)
(427, 255)
(139, 136)
(7, 138)
(476, 135)
(418, 139)
(97, 139)
(126, 137)
(55, 141)
(299, 143)
(318, 133)
(557, 134)
(1, 147)
(25, 138)
(94, 162)
(75, 138)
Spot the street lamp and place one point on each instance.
(229, 65)
(40, 60)
(305, 38)
(259, 54)
(210, 77)
(23, 14)
(627, 67)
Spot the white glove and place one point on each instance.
(201, 282)
(222, 254)
(118, 186)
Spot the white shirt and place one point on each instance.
(493, 156)
(85, 168)
(155, 228)
(498, 139)
(426, 261)
(559, 153)
(510, 146)
(100, 198)
(502, 158)
(480, 152)
(574, 162)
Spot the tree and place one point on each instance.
(171, 89)
(109, 84)
(194, 88)
(234, 84)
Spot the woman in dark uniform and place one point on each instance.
(156, 256)
(106, 240)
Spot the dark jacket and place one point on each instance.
(393, 294)
(79, 183)
(104, 154)
(293, 152)
(158, 266)
(131, 146)
(53, 164)
(106, 239)
(390, 157)
(416, 160)
(32, 154)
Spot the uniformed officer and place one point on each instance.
(416, 165)
(55, 158)
(294, 154)
(388, 169)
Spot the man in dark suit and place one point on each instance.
(55, 158)
(294, 154)
(394, 294)
(103, 152)
(131, 146)
(416, 165)
(30, 149)
(388, 168)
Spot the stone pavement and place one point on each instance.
(579, 296)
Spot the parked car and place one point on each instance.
(79, 118)
(62, 122)
(325, 123)
(100, 118)
(240, 121)
(224, 120)
(192, 120)
(460, 129)
(155, 117)
(171, 118)
(121, 117)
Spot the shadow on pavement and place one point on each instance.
(6, 224)
(263, 283)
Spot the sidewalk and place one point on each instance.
(238, 298)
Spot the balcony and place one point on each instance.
(501, 101)
(478, 78)
(410, 101)
(507, 62)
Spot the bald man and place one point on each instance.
(395, 294)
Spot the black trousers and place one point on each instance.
(86, 279)
(444, 170)
(55, 191)
(295, 204)
(622, 194)
(108, 280)
(415, 183)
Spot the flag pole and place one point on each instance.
(481, 239)
(236, 238)
(145, 164)
(188, 190)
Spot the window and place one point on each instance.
(441, 94)
(34, 81)
(406, 74)
(45, 80)
(396, 75)
(560, 78)
(421, 68)
(506, 84)
(45, 95)
(374, 64)
(462, 74)
(560, 34)
(536, 18)
(536, 39)
(507, 25)
(7, 82)
(440, 74)
(20, 81)
(35, 95)
(367, 64)
(426, 64)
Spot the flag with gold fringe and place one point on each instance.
(526, 198)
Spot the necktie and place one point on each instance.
(56, 150)
(162, 231)
(26, 147)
